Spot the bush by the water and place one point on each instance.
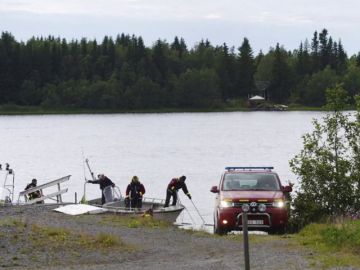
(328, 166)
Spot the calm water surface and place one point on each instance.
(155, 147)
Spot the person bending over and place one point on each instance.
(172, 188)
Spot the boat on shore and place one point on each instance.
(150, 206)
(115, 203)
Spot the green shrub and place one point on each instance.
(328, 166)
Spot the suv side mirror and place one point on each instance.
(287, 189)
(214, 189)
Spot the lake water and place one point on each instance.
(155, 147)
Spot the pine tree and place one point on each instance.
(341, 59)
(279, 89)
(226, 70)
(179, 46)
(160, 60)
(358, 60)
(9, 53)
(246, 70)
(303, 61)
(325, 48)
(333, 51)
(315, 53)
(258, 58)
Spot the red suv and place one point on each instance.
(255, 190)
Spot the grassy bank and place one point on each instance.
(329, 245)
(230, 107)
(134, 222)
(24, 243)
(23, 110)
(334, 244)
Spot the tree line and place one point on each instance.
(124, 74)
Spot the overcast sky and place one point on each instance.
(263, 22)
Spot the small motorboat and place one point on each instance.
(115, 202)
(151, 206)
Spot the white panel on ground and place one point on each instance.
(79, 209)
(2, 194)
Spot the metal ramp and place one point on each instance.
(57, 195)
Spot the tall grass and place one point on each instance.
(51, 238)
(335, 244)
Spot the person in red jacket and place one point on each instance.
(171, 191)
(134, 192)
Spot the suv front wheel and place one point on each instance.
(217, 229)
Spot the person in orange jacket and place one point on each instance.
(134, 192)
(171, 191)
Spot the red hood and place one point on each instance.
(252, 195)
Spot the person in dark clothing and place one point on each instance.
(36, 194)
(174, 185)
(134, 192)
(104, 182)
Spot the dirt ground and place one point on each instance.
(164, 247)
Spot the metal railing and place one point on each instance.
(9, 183)
(40, 188)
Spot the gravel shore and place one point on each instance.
(142, 247)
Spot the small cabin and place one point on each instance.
(255, 101)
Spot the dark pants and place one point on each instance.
(102, 198)
(170, 193)
(133, 202)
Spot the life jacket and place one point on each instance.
(134, 189)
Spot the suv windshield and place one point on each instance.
(246, 181)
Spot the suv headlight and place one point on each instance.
(226, 204)
(279, 204)
(262, 207)
(245, 208)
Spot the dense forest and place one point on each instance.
(124, 74)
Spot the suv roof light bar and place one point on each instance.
(248, 168)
